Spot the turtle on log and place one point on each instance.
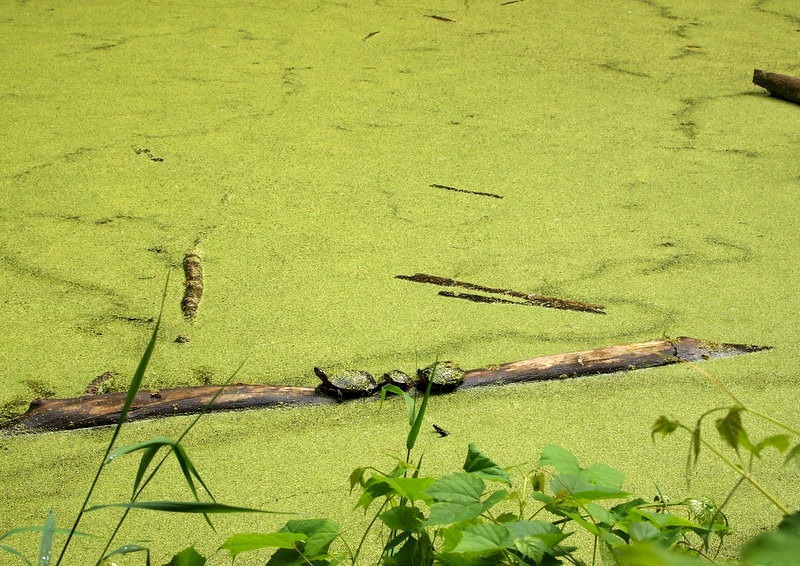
(346, 384)
(444, 376)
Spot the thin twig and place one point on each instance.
(531, 298)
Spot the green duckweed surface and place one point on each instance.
(293, 145)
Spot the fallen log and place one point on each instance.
(97, 410)
(784, 87)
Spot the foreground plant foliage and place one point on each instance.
(474, 516)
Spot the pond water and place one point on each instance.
(293, 145)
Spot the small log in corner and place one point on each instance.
(780, 86)
(97, 410)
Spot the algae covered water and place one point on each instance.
(300, 148)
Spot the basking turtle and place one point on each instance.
(445, 377)
(399, 379)
(346, 384)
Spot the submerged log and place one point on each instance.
(779, 86)
(96, 410)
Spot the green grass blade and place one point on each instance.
(149, 450)
(411, 440)
(156, 442)
(46, 542)
(132, 390)
(16, 553)
(189, 470)
(164, 458)
(410, 404)
(128, 549)
(138, 375)
(38, 529)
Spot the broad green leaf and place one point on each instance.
(774, 549)
(790, 524)
(319, 532)
(641, 532)
(562, 460)
(483, 540)
(780, 547)
(465, 508)
(458, 487)
(247, 542)
(730, 427)
(414, 552)
(652, 554)
(46, 541)
(445, 513)
(495, 498)
(576, 516)
(778, 441)
(793, 455)
(403, 518)
(357, 478)
(531, 547)
(286, 557)
(624, 508)
(578, 488)
(187, 557)
(480, 465)
(545, 531)
(601, 515)
(663, 426)
(413, 489)
(664, 520)
(184, 507)
(603, 475)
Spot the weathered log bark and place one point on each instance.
(779, 86)
(97, 410)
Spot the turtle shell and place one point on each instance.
(445, 377)
(399, 379)
(346, 384)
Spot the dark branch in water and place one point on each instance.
(439, 18)
(481, 298)
(530, 298)
(437, 186)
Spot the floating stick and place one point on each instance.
(480, 298)
(438, 186)
(529, 298)
(439, 18)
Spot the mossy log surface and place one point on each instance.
(98, 410)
